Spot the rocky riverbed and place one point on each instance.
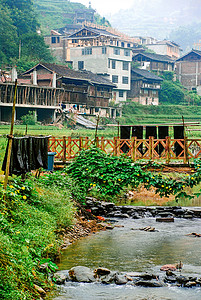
(84, 274)
(110, 210)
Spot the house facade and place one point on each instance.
(188, 70)
(104, 53)
(145, 87)
(88, 92)
(166, 47)
(154, 62)
(47, 88)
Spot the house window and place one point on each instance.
(125, 65)
(87, 51)
(154, 92)
(116, 51)
(80, 65)
(127, 52)
(122, 44)
(54, 40)
(58, 39)
(113, 64)
(128, 45)
(121, 94)
(114, 78)
(125, 80)
(108, 63)
(104, 50)
(146, 92)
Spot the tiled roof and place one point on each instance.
(154, 56)
(198, 52)
(146, 74)
(63, 71)
(96, 31)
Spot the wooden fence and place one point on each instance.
(166, 150)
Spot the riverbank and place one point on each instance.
(30, 217)
(38, 219)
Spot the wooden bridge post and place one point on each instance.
(102, 143)
(134, 146)
(115, 146)
(69, 147)
(54, 144)
(185, 150)
(64, 149)
(118, 147)
(151, 147)
(86, 142)
(168, 143)
(80, 143)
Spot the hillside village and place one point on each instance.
(100, 150)
(96, 69)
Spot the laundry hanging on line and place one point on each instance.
(28, 153)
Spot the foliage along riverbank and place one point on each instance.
(30, 219)
(36, 213)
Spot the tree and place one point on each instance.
(8, 36)
(33, 46)
(170, 93)
(23, 15)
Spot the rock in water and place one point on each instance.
(60, 277)
(168, 268)
(102, 271)
(120, 279)
(81, 274)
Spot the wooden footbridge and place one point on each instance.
(161, 150)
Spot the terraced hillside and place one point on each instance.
(58, 13)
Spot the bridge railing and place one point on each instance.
(166, 150)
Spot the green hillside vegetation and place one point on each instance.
(19, 23)
(57, 14)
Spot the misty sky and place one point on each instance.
(106, 7)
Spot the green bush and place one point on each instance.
(170, 93)
(95, 170)
(29, 119)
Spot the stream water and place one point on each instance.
(127, 249)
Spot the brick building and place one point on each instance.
(188, 70)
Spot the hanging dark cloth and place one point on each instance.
(19, 160)
(38, 152)
(27, 153)
(125, 135)
(178, 134)
(163, 132)
(138, 132)
(151, 131)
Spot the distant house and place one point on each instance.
(102, 52)
(144, 87)
(188, 70)
(88, 91)
(154, 62)
(166, 47)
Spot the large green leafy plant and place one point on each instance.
(94, 169)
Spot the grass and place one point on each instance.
(29, 220)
